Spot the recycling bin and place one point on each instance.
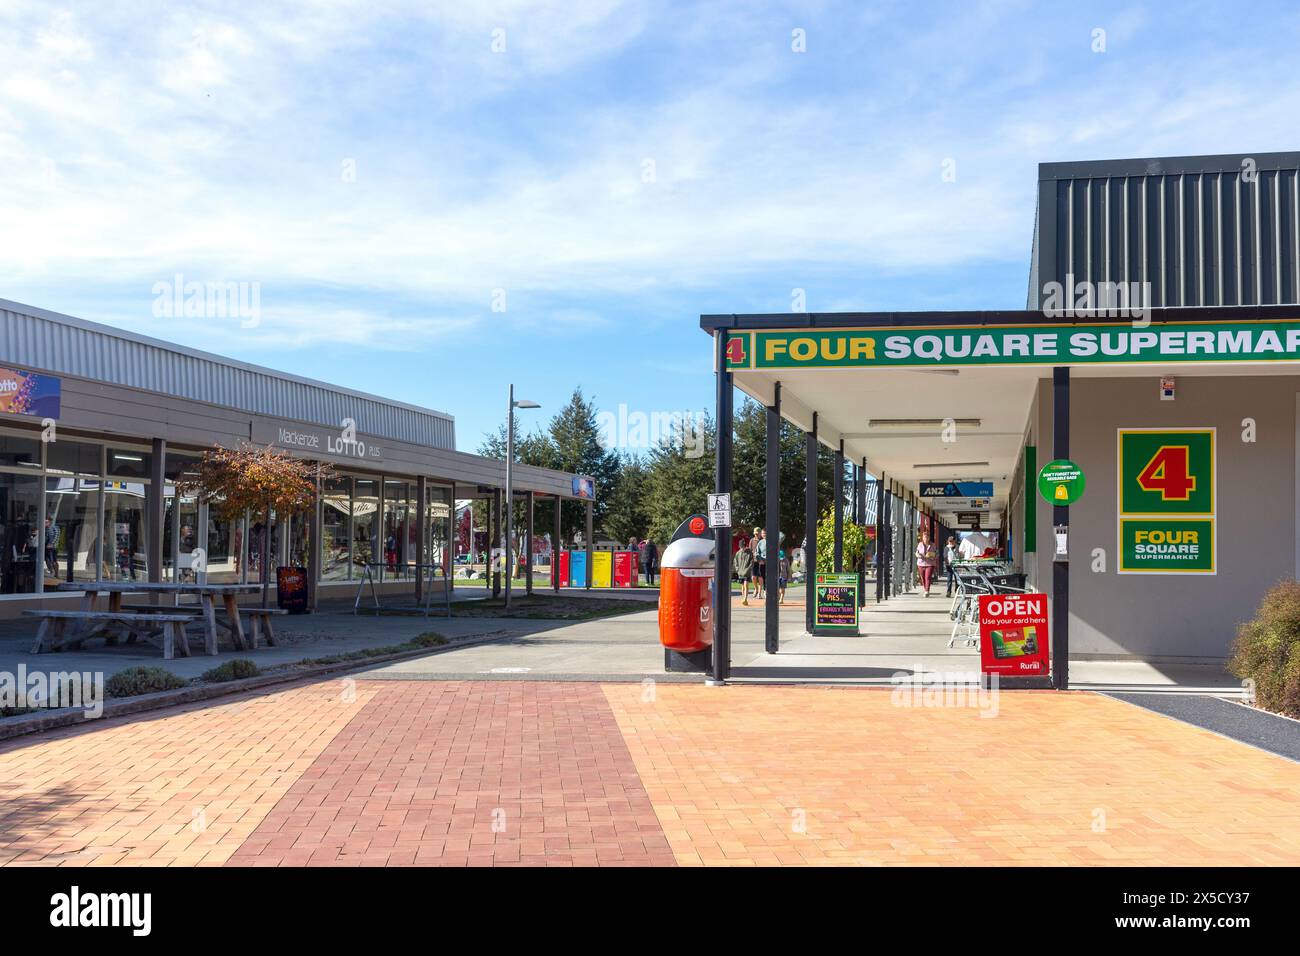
(686, 598)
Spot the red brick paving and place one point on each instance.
(457, 773)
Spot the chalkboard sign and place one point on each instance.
(291, 589)
(837, 604)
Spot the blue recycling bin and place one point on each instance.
(577, 569)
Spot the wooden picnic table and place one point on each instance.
(208, 595)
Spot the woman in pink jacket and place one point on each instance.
(927, 559)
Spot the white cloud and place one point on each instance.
(140, 140)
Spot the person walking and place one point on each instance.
(927, 558)
(783, 576)
(745, 571)
(652, 560)
(760, 563)
(949, 556)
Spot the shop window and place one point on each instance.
(223, 537)
(22, 540)
(19, 451)
(71, 541)
(75, 458)
(180, 536)
(437, 546)
(128, 463)
(365, 522)
(125, 532)
(398, 554)
(336, 530)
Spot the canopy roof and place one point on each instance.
(957, 414)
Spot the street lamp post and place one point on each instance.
(510, 491)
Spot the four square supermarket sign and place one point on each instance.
(1167, 501)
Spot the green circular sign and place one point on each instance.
(1061, 482)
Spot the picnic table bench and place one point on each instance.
(53, 626)
(259, 618)
(204, 612)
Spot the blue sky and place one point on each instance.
(610, 172)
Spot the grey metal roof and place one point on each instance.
(1202, 230)
(48, 341)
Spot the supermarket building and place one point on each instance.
(1183, 414)
(97, 424)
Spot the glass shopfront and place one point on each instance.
(75, 510)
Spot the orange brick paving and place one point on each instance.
(457, 773)
(788, 775)
(184, 786)
(529, 773)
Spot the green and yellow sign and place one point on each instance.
(1166, 500)
(1075, 344)
(1061, 482)
(1166, 546)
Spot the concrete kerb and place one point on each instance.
(11, 727)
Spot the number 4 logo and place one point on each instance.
(1169, 473)
(735, 350)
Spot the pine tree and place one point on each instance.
(627, 515)
(575, 437)
(680, 476)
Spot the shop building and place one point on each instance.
(97, 424)
(1159, 352)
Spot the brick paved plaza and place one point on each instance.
(361, 772)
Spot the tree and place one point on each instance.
(232, 481)
(535, 448)
(855, 543)
(680, 476)
(626, 515)
(749, 474)
(575, 437)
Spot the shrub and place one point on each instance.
(430, 640)
(135, 681)
(237, 669)
(1267, 650)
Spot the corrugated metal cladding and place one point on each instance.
(1202, 230)
(78, 348)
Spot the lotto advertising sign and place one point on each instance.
(1167, 501)
(1013, 635)
(27, 393)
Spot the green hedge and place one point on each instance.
(135, 681)
(1267, 650)
(237, 669)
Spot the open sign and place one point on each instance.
(1013, 634)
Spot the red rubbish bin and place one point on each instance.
(685, 590)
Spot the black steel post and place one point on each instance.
(421, 534)
(860, 503)
(772, 618)
(722, 536)
(1060, 639)
(810, 523)
(880, 537)
(838, 515)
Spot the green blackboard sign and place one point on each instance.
(836, 610)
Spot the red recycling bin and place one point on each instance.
(685, 595)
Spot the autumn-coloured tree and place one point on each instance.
(232, 481)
